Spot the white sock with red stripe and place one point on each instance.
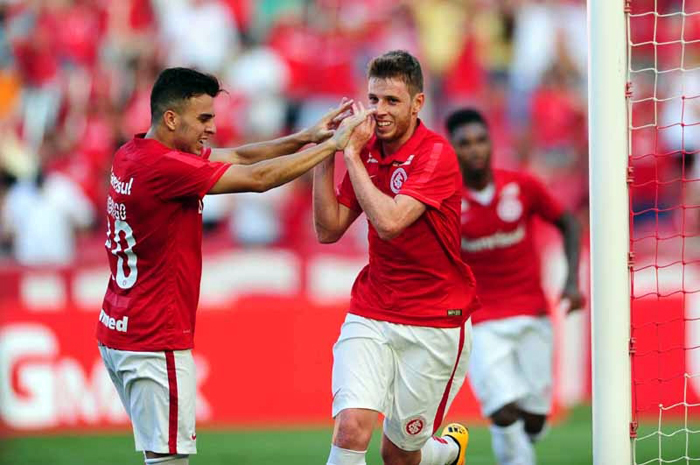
(439, 451)
(340, 456)
(169, 460)
(511, 444)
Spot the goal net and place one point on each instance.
(663, 100)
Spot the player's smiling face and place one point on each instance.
(195, 124)
(397, 110)
(472, 144)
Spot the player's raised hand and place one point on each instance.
(362, 133)
(342, 135)
(326, 126)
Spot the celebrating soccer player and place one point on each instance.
(404, 346)
(511, 366)
(154, 237)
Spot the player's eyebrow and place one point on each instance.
(205, 116)
(387, 97)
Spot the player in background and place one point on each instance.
(404, 346)
(511, 366)
(154, 237)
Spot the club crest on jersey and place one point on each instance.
(509, 209)
(397, 180)
(415, 425)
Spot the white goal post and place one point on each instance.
(609, 222)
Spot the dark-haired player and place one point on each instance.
(511, 365)
(154, 236)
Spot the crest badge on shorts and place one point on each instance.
(397, 180)
(415, 425)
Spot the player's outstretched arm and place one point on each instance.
(570, 229)
(259, 151)
(267, 174)
(389, 216)
(331, 218)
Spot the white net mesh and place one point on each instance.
(664, 133)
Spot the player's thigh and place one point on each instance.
(535, 352)
(494, 373)
(107, 355)
(363, 367)
(430, 368)
(161, 389)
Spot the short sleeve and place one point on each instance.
(543, 203)
(433, 177)
(177, 174)
(346, 194)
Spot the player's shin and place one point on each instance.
(511, 445)
(439, 451)
(340, 456)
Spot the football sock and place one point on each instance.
(340, 456)
(511, 445)
(439, 451)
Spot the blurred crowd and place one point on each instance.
(75, 77)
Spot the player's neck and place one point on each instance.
(391, 147)
(477, 181)
(161, 136)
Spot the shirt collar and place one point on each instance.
(404, 152)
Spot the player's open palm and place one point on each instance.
(326, 126)
(360, 117)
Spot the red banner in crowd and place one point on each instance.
(266, 326)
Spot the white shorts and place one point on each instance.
(512, 363)
(411, 374)
(158, 391)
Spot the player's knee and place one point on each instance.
(534, 424)
(392, 455)
(352, 431)
(506, 415)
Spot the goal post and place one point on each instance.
(609, 225)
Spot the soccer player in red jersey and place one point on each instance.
(154, 237)
(511, 366)
(404, 346)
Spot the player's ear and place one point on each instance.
(170, 119)
(417, 104)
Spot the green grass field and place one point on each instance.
(569, 442)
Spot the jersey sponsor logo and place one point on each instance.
(371, 159)
(415, 425)
(397, 180)
(119, 186)
(499, 240)
(111, 323)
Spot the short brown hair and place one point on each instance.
(398, 64)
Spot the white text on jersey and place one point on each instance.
(499, 240)
(119, 186)
(111, 323)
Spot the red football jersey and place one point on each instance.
(154, 245)
(497, 243)
(417, 278)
